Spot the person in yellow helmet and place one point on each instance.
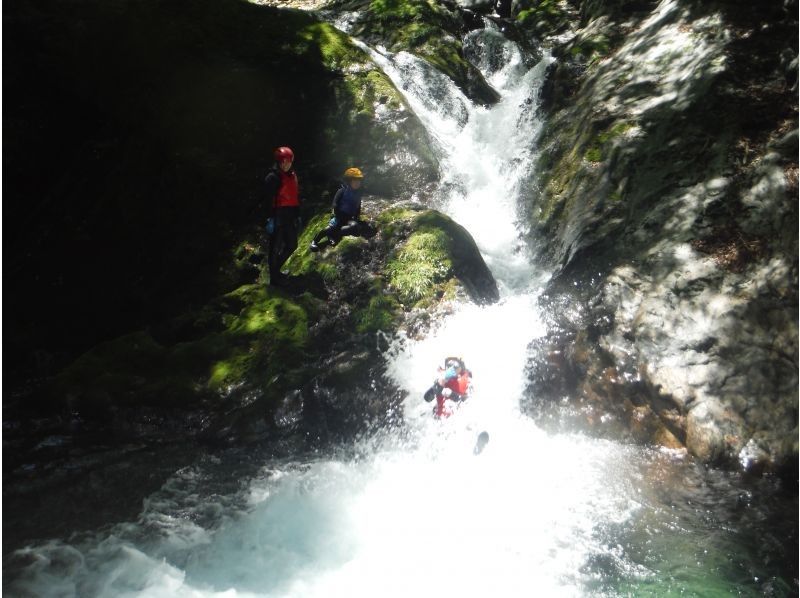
(346, 212)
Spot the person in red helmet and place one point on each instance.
(450, 388)
(283, 199)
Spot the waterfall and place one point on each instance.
(419, 514)
(485, 152)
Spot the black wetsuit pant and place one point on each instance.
(283, 241)
(351, 227)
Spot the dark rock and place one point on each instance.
(664, 209)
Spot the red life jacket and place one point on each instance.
(288, 193)
(460, 384)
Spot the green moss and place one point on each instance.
(541, 16)
(335, 47)
(450, 290)
(425, 28)
(394, 221)
(269, 333)
(408, 19)
(598, 148)
(350, 246)
(594, 154)
(256, 336)
(379, 88)
(615, 131)
(390, 216)
(560, 177)
(592, 49)
(380, 313)
(268, 314)
(446, 55)
(229, 371)
(421, 264)
(303, 261)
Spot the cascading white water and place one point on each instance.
(484, 153)
(533, 514)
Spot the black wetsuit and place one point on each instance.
(283, 240)
(346, 217)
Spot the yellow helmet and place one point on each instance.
(353, 173)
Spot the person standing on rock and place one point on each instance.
(346, 212)
(283, 224)
(451, 387)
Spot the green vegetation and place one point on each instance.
(409, 23)
(335, 47)
(544, 17)
(252, 335)
(303, 262)
(566, 168)
(421, 264)
(381, 313)
(598, 148)
(591, 49)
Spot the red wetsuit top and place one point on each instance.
(288, 195)
(460, 388)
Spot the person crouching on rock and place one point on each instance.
(283, 224)
(346, 212)
(452, 387)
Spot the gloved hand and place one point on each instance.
(446, 392)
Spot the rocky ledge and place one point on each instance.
(669, 214)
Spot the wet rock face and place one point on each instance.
(669, 169)
(138, 137)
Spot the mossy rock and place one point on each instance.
(419, 251)
(428, 29)
(541, 17)
(420, 266)
(259, 337)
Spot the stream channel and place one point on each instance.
(413, 511)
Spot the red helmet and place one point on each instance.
(283, 153)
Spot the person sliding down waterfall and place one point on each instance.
(346, 212)
(450, 388)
